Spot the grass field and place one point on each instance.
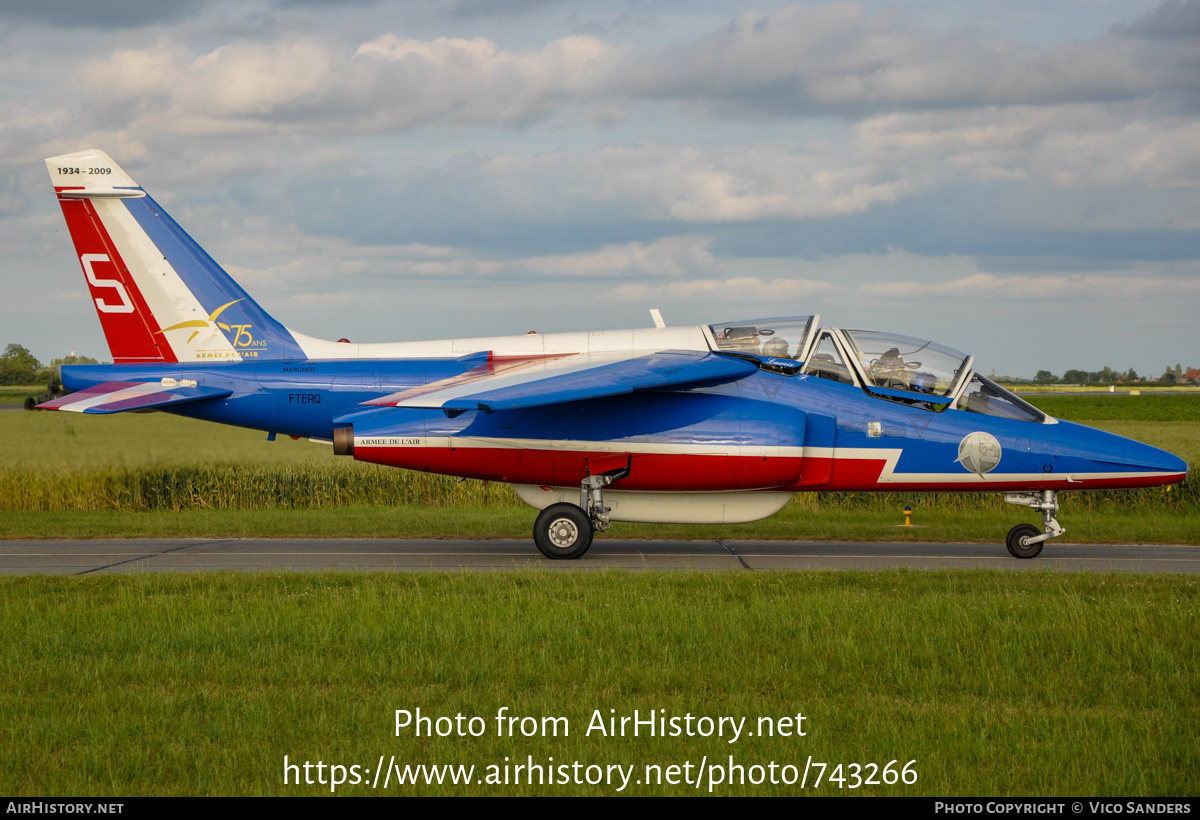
(1085, 389)
(1103, 406)
(16, 394)
(994, 683)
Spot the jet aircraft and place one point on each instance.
(716, 423)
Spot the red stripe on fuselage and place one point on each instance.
(132, 336)
(648, 471)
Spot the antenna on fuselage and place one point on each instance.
(658, 319)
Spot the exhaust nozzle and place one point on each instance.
(343, 441)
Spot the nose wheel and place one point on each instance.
(1018, 541)
(1025, 540)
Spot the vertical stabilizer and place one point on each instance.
(159, 296)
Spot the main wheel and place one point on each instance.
(1018, 549)
(563, 531)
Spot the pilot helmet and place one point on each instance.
(924, 383)
(775, 347)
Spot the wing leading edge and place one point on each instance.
(574, 378)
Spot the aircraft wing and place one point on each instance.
(570, 378)
(117, 397)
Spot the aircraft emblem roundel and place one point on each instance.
(979, 452)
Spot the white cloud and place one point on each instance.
(318, 265)
(475, 82)
(838, 57)
(1078, 146)
(676, 257)
(237, 88)
(1168, 20)
(795, 61)
(706, 183)
(979, 288)
(314, 85)
(739, 289)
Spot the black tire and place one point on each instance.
(1019, 550)
(563, 531)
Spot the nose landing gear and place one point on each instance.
(1024, 540)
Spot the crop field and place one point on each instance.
(71, 475)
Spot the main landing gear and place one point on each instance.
(564, 530)
(1025, 540)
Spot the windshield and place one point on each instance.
(780, 338)
(904, 363)
(826, 362)
(985, 396)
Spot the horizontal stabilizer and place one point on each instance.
(574, 378)
(117, 397)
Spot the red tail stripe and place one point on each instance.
(130, 338)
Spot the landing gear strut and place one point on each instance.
(564, 530)
(1024, 540)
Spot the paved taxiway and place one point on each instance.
(202, 555)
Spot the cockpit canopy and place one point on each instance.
(782, 338)
(902, 363)
(886, 365)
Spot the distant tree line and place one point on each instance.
(1171, 375)
(20, 367)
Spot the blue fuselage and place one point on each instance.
(766, 430)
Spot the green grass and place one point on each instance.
(237, 487)
(995, 683)
(16, 394)
(1106, 407)
(47, 441)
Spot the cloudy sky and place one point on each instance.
(1015, 178)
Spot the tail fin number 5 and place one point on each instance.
(126, 306)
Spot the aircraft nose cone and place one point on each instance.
(1155, 460)
(1105, 452)
(1151, 459)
